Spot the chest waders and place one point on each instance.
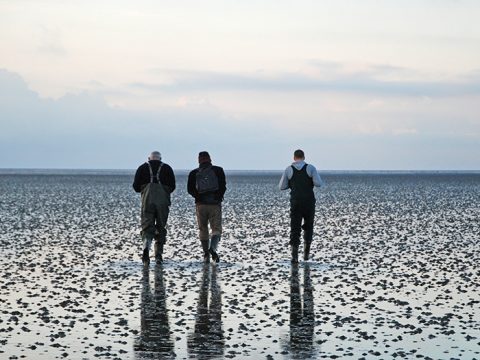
(302, 207)
(155, 209)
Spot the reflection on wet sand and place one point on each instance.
(155, 338)
(302, 316)
(207, 340)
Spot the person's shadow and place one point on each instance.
(302, 316)
(155, 334)
(207, 340)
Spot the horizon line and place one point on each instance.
(2, 169)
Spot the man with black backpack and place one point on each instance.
(207, 185)
(155, 181)
(300, 178)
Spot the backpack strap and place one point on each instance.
(304, 168)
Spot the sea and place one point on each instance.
(393, 274)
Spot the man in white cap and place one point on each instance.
(155, 180)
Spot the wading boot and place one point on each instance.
(206, 253)
(294, 254)
(158, 249)
(306, 250)
(146, 252)
(146, 257)
(213, 247)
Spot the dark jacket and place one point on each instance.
(142, 176)
(214, 197)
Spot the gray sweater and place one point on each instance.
(288, 173)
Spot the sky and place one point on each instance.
(358, 85)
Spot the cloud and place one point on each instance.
(83, 131)
(332, 78)
(52, 49)
(404, 131)
(13, 87)
(51, 42)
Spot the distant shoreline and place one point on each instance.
(19, 171)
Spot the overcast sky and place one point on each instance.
(357, 84)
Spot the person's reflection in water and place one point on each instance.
(207, 340)
(302, 318)
(155, 334)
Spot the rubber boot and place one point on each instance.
(213, 247)
(146, 251)
(294, 254)
(158, 249)
(206, 254)
(306, 250)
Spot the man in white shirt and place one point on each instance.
(301, 178)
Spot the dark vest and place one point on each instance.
(301, 186)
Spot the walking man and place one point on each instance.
(207, 185)
(155, 181)
(300, 178)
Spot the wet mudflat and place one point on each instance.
(394, 272)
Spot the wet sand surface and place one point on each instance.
(394, 272)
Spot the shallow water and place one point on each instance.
(394, 271)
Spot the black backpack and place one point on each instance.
(207, 180)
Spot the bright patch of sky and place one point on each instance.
(358, 84)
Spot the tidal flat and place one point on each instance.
(394, 271)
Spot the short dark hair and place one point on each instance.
(299, 154)
(203, 156)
